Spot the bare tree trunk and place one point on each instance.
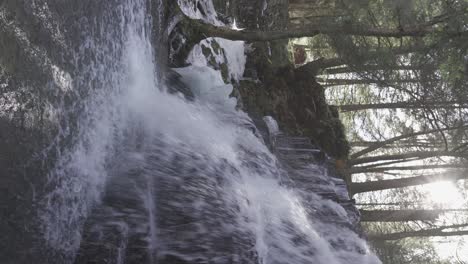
(341, 82)
(418, 154)
(314, 67)
(356, 170)
(398, 138)
(206, 30)
(401, 144)
(367, 68)
(386, 204)
(375, 165)
(403, 215)
(433, 232)
(370, 186)
(401, 105)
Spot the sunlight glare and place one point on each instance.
(235, 27)
(444, 193)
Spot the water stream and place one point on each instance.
(156, 178)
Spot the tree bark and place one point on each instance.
(403, 215)
(370, 186)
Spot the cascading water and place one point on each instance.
(155, 178)
(115, 52)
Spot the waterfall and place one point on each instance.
(155, 178)
(113, 86)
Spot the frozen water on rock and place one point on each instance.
(233, 52)
(272, 125)
(200, 9)
(217, 93)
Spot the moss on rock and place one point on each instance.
(298, 102)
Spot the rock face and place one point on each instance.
(42, 91)
(33, 52)
(43, 83)
(272, 86)
(298, 102)
(167, 210)
(311, 171)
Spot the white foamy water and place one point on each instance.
(196, 183)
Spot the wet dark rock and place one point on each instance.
(311, 171)
(298, 103)
(176, 85)
(165, 210)
(38, 114)
(20, 191)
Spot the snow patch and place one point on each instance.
(216, 93)
(272, 125)
(231, 53)
(200, 9)
(235, 56)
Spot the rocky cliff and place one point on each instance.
(50, 54)
(272, 84)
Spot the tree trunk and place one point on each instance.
(401, 144)
(367, 68)
(403, 215)
(418, 154)
(386, 204)
(340, 82)
(356, 170)
(401, 105)
(398, 138)
(375, 165)
(370, 186)
(206, 30)
(433, 232)
(314, 67)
